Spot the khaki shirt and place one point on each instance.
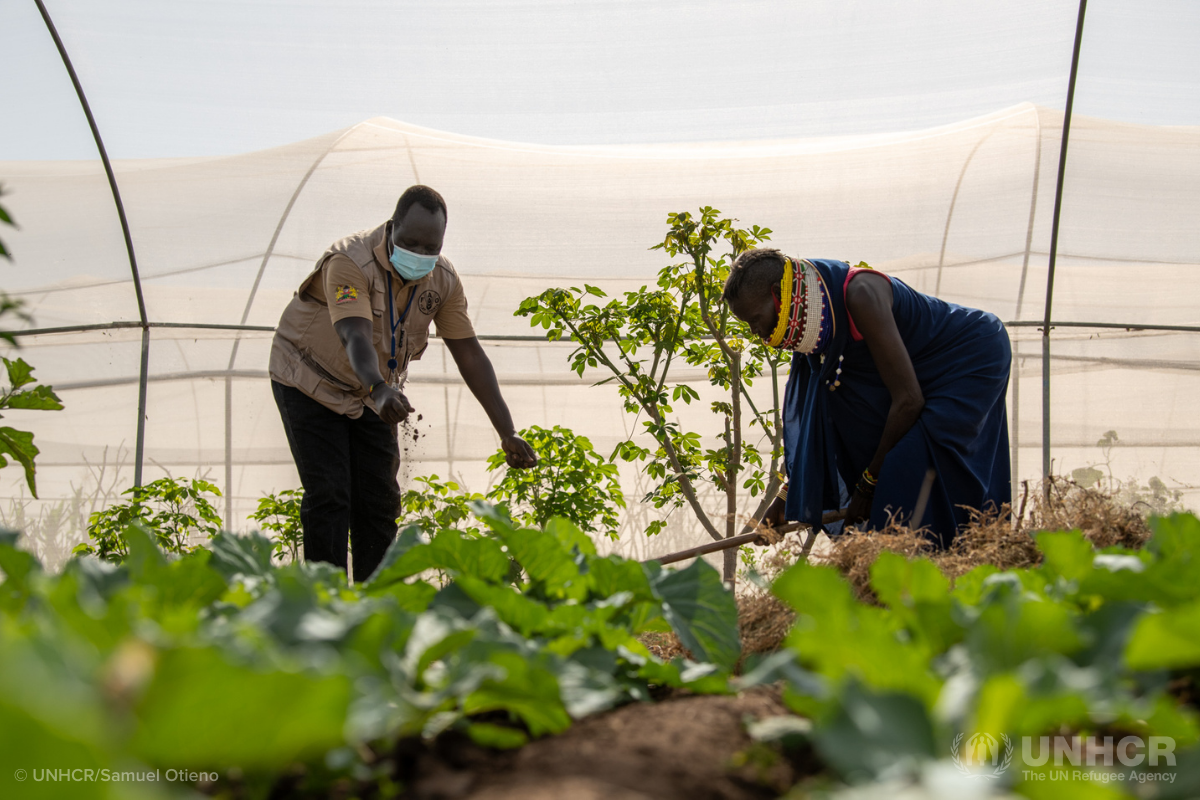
(351, 280)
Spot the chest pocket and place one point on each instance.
(418, 337)
(379, 320)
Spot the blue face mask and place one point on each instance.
(411, 266)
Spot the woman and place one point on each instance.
(886, 383)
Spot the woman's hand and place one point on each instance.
(773, 518)
(859, 508)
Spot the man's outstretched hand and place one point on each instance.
(517, 452)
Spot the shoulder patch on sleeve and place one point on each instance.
(345, 294)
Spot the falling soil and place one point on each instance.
(409, 434)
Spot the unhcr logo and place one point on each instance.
(983, 755)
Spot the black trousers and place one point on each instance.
(348, 470)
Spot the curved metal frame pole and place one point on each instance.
(246, 315)
(937, 290)
(1015, 375)
(139, 448)
(1062, 167)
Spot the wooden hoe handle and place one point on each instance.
(745, 538)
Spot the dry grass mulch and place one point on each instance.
(763, 622)
(1001, 538)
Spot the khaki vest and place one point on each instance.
(306, 352)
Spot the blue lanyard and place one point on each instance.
(396, 323)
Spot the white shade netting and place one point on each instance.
(962, 211)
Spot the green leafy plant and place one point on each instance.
(638, 339)
(280, 514)
(185, 662)
(1088, 643)
(436, 504)
(169, 509)
(22, 391)
(571, 480)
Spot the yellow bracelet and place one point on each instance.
(782, 493)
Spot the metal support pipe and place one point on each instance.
(139, 448)
(228, 453)
(140, 445)
(1058, 190)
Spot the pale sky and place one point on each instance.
(209, 77)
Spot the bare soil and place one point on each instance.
(687, 747)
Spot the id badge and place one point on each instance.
(396, 374)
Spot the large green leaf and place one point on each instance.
(409, 537)
(20, 447)
(702, 612)
(870, 735)
(1175, 536)
(527, 689)
(612, 574)
(1168, 640)
(437, 632)
(570, 536)
(837, 636)
(1006, 704)
(53, 716)
(39, 398)
(587, 687)
(450, 551)
(546, 561)
(920, 595)
(522, 613)
(202, 711)
(145, 562)
(19, 373)
(1068, 554)
(18, 567)
(234, 555)
(414, 597)
(1014, 626)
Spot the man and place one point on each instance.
(338, 362)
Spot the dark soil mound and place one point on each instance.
(686, 747)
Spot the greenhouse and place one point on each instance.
(170, 174)
(956, 199)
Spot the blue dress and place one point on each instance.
(962, 359)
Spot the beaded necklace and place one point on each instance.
(803, 324)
